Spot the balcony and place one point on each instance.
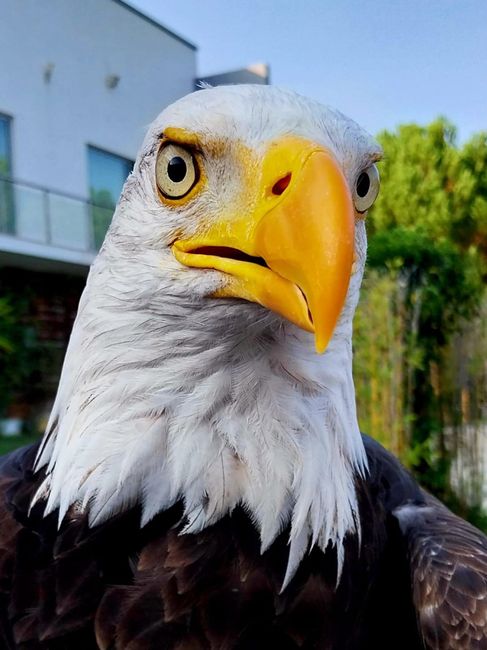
(42, 223)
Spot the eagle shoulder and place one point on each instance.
(13, 470)
(446, 556)
(448, 569)
(51, 580)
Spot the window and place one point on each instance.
(7, 219)
(107, 174)
(5, 162)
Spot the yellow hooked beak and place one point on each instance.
(292, 250)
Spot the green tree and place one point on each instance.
(471, 227)
(18, 351)
(427, 233)
(433, 186)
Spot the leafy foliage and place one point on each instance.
(18, 351)
(448, 279)
(428, 237)
(432, 185)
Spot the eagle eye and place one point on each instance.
(366, 188)
(176, 171)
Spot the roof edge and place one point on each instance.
(155, 23)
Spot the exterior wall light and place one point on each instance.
(111, 81)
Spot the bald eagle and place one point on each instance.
(202, 483)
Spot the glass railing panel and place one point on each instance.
(69, 223)
(39, 215)
(30, 213)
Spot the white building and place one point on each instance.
(79, 83)
(80, 80)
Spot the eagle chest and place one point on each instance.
(120, 586)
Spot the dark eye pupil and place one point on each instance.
(176, 169)
(363, 184)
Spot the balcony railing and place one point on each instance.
(41, 216)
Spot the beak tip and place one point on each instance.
(321, 345)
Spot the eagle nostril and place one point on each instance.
(280, 185)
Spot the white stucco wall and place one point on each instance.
(84, 41)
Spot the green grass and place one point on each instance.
(8, 444)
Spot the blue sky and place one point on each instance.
(383, 62)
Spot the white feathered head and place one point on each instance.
(235, 256)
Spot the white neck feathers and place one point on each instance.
(217, 404)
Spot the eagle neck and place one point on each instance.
(155, 407)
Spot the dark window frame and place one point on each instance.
(101, 215)
(8, 119)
